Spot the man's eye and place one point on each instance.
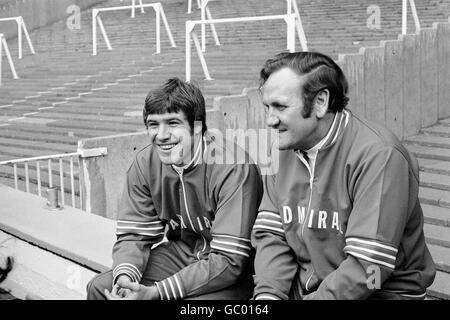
(152, 125)
(173, 123)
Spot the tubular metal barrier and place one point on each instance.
(289, 19)
(159, 11)
(21, 29)
(4, 45)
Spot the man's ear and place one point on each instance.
(321, 103)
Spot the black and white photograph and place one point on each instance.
(224, 154)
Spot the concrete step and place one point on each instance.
(8, 178)
(436, 215)
(36, 145)
(11, 152)
(435, 181)
(434, 166)
(441, 286)
(434, 197)
(429, 152)
(97, 110)
(97, 126)
(429, 141)
(70, 200)
(89, 118)
(441, 257)
(12, 132)
(437, 235)
(73, 245)
(438, 130)
(39, 274)
(63, 131)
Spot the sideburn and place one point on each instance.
(307, 108)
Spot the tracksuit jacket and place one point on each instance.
(210, 206)
(349, 226)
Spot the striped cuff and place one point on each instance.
(151, 229)
(128, 269)
(170, 288)
(371, 251)
(230, 244)
(419, 295)
(267, 296)
(269, 221)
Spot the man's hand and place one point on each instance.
(131, 291)
(117, 290)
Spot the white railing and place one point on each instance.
(159, 11)
(65, 166)
(133, 4)
(190, 6)
(4, 45)
(206, 14)
(21, 29)
(291, 6)
(190, 24)
(405, 15)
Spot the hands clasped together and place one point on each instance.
(124, 289)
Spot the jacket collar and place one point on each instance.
(196, 159)
(340, 122)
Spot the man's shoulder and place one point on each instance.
(147, 155)
(372, 136)
(371, 133)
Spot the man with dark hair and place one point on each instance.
(179, 188)
(341, 218)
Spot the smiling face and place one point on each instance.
(282, 97)
(172, 137)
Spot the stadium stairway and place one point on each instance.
(65, 94)
(432, 149)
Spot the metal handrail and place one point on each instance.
(55, 156)
(405, 15)
(133, 4)
(291, 5)
(189, 11)
(79, 156)
(21, 28)
(206, 14)
(159, 12)
(37, 160)
(3, 44)
(190, 24)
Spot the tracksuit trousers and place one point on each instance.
(165, 260)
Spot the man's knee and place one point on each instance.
(95, 288)
(241, 290)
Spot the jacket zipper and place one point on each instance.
(188, 214)
(311, 179)
(311, 173)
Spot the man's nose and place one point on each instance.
(272, 119)
(163, 132)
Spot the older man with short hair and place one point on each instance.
(341, 217)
